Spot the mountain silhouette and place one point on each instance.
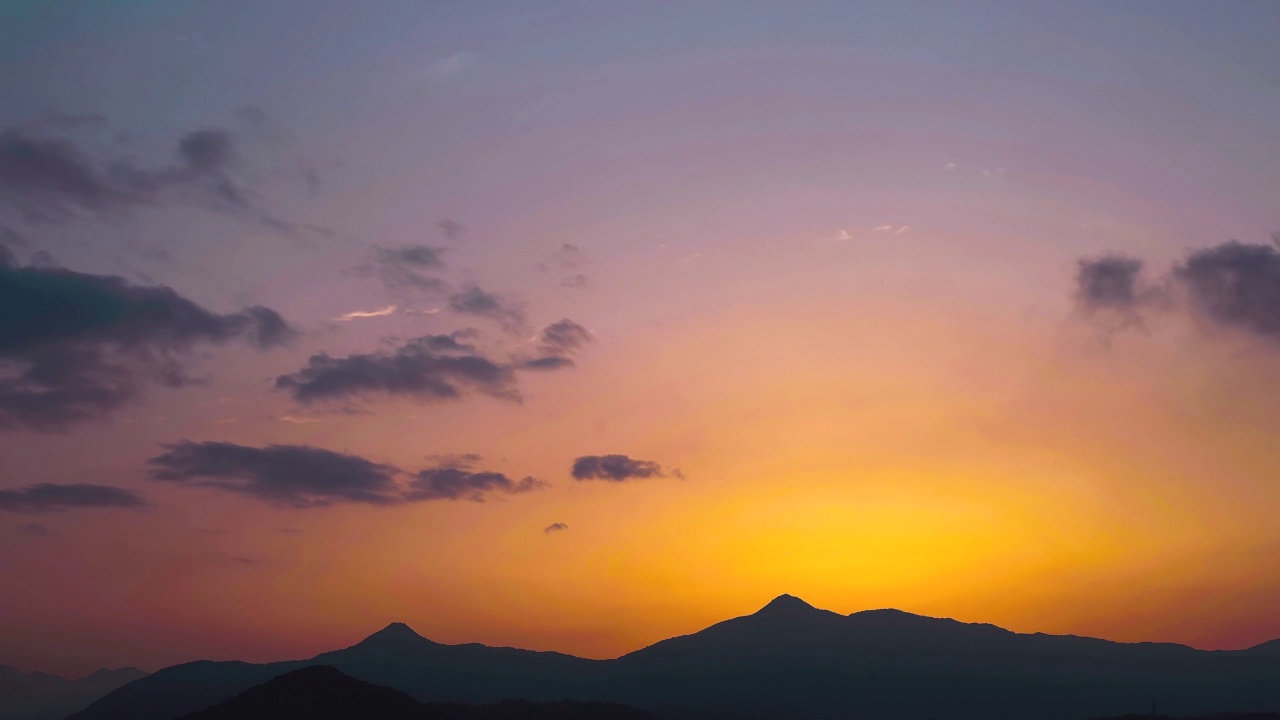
(787, 660)
(40, 696)
(322, 692)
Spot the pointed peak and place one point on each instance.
(395, 632)
(787, 603)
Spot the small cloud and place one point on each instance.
(50, 497)
(882, 228)
(554, 528)
(358, 314)
(295, 420)
(455, 460)
(949, 167)
(35, 529)
(618, 468)
(451, 229)
(903, 229)
(844, 235)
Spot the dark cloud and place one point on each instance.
(289, 475)
(565, 336)
(455, 460)
(548, 362)
(301, 476)
(36, 529)
(555, 342)
(48, 179)
(554, 527)
(76, 346)
(12, 238)
(576, 281)
(617, 468)
(432, 368)
(206, 151)
(1233, 285)
(1109, 282)
(403, 268)
(452, 483)
(48, 174)
(475, 301)
(451, 229)
(49, 497)
(1236, 285)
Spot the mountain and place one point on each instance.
(322, 692)
(788, 660)
(40, 696)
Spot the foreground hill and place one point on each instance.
(40, 696)
(320, 692)
(788, 660)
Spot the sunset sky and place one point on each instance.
(578, 325)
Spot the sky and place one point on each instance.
(579, 325)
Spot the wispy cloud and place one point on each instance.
(554, 528)
(358, 314)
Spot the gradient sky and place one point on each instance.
(822, 263)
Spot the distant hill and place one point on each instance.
(790, 661)
(40, 696)
(321, 692)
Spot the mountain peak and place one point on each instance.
(784, 603)
(397, 634)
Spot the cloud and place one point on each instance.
(289, 475)
(576, 281)
(447, 67)
(899, 230)
(455, 460)
(431, 368)
(568, 262)
(1231, 285)
(451, 229)
(301, 476)
(453, 483)
(903, 229)
(564, 336)
(1235, 285)
(550, 362)
(358, 314)
(36, 529)
(881, 228)
(844, 235)
(75, 347)
(402, 268)
(617, 468)
(49, 497)
(949, 166)
(478, 302)
(1109, 282)
(554, 528)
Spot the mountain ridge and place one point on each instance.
(817, 663)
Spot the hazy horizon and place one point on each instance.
(575, 326)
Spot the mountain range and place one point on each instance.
(40, 696)
(789, 661)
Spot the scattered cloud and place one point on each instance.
(577, 280)
(301, 476)
(1231, 285)
(949, 166)
(50, 497)
(475, 301)
(896, 230)
(882, 228)
(431, 368)
(451, 229)
(288, 475)
(618, 468)
(75, 347)
(359, 314)
(564, 336)
(844, 235)
(554, 528)
(903, 229)
(453, 483)
(403, 269)
(455, 460)
(296, 420)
